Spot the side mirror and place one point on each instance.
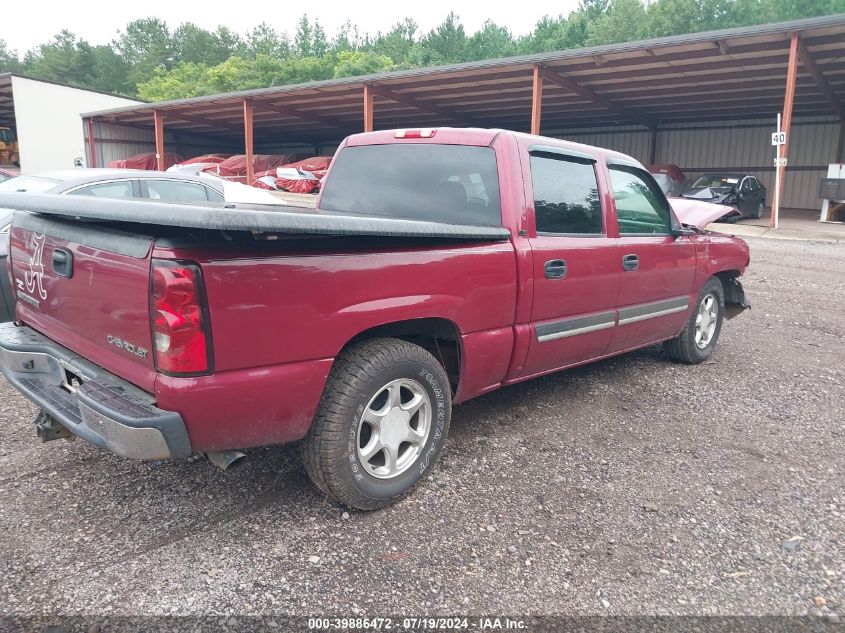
(682, 231)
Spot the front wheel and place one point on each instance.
(697, 340)
(758, 213)
(380, 425)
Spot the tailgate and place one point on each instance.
(87, 288)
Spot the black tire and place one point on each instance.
(360, 374)
(684, 347)
(758, 212)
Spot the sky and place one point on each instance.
(26, 23)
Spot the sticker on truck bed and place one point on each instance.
(34, 277)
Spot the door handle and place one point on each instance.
(63, 263)
(630, 262)
(555, 269)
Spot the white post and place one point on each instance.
(776, 202)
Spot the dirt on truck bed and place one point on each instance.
(634, 486)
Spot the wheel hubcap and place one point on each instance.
(705, 321)
(394, 428)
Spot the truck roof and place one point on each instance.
(481, 137)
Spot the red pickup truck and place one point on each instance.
(439, 265)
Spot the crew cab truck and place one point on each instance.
(439, 265)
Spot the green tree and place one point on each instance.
(445, 44)
(198, 46)
(668, 17)
(625, 21)
(776, 10)
(310, 39)
(9, 62)
(265, 40)
(351, 63)
(145, 46)
(555, 34)
(111, 74)
(348, 38)
(147, 59)
(184, 80)
(397, 42)
(64, 59)
(490, 42)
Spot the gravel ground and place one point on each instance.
(632, 486)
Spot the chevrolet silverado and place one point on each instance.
(439, 265)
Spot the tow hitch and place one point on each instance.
(48, 429)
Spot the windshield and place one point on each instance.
(456, 184)
(715, 180)
(28, 183)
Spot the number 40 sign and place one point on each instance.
(778, 138)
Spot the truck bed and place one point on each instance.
(237, 217)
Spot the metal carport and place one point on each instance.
(645, 94)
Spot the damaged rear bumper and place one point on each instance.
(88, 401)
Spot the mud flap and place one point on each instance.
(735, 301)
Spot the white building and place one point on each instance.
(46, 117)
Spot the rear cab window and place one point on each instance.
(453, 184)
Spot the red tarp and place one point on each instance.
(206, 158)
(234, 168)
(673, 171)
(316, 165)
(145, 161)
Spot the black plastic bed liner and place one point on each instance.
(242, 217)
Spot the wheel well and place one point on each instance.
(440, 337)
(733, 291)
(726, 275)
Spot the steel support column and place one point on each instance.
(248, 141)
(537, 99)
(788, 99)
(652, 146)
(158, 123)
(368, 108)
(92, 150)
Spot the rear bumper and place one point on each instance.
(102, 409)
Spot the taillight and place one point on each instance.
(179, 319)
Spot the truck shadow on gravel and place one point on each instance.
(145, 506)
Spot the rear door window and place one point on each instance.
(566, 195)
(118, 189)
(454, 184)
(174, 191)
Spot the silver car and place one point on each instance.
(121, 183)
(103, 183)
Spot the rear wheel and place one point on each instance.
(380, 425)
(697, 340)
(758, 213)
